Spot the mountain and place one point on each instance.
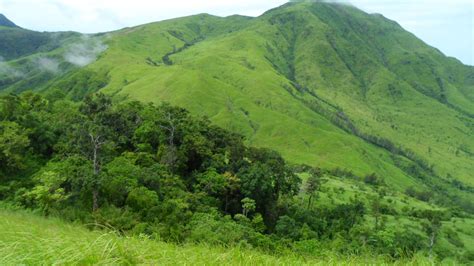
(375, 129)
(326, 85)
(5, 22)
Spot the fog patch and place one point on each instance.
(47, 64)
(9, 71)
(85, 51)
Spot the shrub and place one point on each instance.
(142, 199)
(119, 219)
(210, 228)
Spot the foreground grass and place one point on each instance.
(29, 239)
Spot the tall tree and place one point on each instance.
(432, 228)
(265, 177)
(312, 185)
(376, 204)
(248, 205)
(13, 146)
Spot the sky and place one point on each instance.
(445, 24)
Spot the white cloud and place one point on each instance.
(85, 51)
(89, 16)
(47, 64)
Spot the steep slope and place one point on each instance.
(325, 84)
(228, 78)
(5, 22)
(390, 85)
(350, 71)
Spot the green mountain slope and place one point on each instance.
(275, 68)
(324, 84)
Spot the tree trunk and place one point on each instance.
(376, 221)
(432, 241)
(95, 200)
(96, 143)
(310, 201)
(226, 203)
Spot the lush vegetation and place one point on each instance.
(25, 241)
(159, 172)
(366, 97)
(375, 131)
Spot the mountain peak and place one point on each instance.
(4, 21)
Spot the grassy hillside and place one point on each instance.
(402, 213)
(272, 82)
(375, 100)
(377, 125)
(324, 84)
(30, 239)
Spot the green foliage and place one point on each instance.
(160, 172)
(373, 179)
(208, 228)
(142, 198)
(264, 178)
(248, 205)
(313, 184)
(75, 84)
(286, 227)
(361, 102)
(421, 195)
(26, 241)
(50, 193)
(13, 144)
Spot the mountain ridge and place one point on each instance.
(4, 21)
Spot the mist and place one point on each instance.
(7, 70)
(47, 64)
(85, 51)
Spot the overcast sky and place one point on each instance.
(444, 24)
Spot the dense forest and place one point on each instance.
(156, 170)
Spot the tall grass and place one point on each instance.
(28, 239)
